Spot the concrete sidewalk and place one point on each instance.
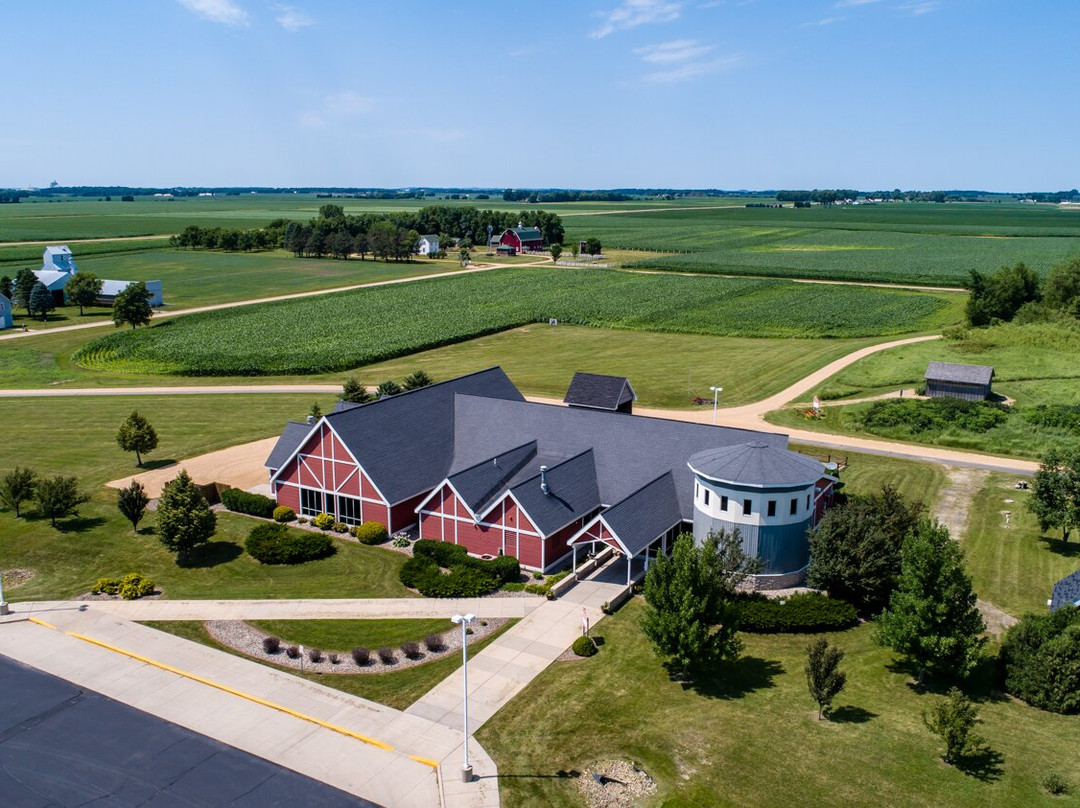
(511, 661)
(304, 609)
(385, 772)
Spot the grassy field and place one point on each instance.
(344, 635)
(398, 689)
(355, 328)
(1016, 562)
(910, 243)
(865, 474)
(749, 736)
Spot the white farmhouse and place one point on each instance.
(427, 245)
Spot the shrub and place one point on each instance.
(919, 416)
(240, 501)
(441, 552)
(271, 645)
(387, 655)
(293, 652)
(323, 521)
(584, 646)
(467, 576)
(434, 643)
(537, 589)
(537, 575)
(334, 658)
(411, 649)
(1040, 656)
(1054, 784)
(315, 654)
(272, 543)
(133, 585)
(303, 520)
(361, 656)
(106, 586)
(401, 541)
(283, 513)
(806, 612)
(340, 527)
(371, 533)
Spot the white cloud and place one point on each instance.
(344, 104)
(692, 70)
(223, 11)
(633, 13)
(292, 19)
(822, 21)
(920, 8)
(680, 50)
(850, 3)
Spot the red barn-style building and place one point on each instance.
(521, 239)
(470, 461)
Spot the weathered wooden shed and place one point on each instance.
(969, 382)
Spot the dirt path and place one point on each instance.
(953, 511)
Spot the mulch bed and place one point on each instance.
(621, 784)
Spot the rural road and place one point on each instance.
(750, 416)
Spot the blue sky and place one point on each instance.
(567, 93)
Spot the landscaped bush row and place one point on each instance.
(240, 501)
(917, 416)
(505, 568)
(466, 576)
(802, 613)
(131, 586)
(1041, 660)
(271, 543)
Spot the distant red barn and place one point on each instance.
(522, 239)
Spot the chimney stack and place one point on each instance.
(543, 479)
(311, 420)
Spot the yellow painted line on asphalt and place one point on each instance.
(232, 691)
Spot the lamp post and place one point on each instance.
(716, 391)
(464, 620)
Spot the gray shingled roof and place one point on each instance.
(290, 439)
(757, 464)
(1066, 591)
(649, 512)
(628, 452)
(479, 484)
(965, 374)
(572, 493)
(600, 392)
(528, 233)
(406, 442)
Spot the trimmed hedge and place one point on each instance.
(323, 521)
(803, 613)
(466, 576)
(370, 533)
(271, 543)
(584, 646)
(283, 513)
(240, 501)
(130, 587)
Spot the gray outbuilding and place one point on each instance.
(969, 382)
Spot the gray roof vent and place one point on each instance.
(543, 479)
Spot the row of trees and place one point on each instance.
(1016, 292)
(55, 497)
(355, 392)
(130, 307)
(535, 197)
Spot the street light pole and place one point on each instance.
(464, 620)
(716, 391)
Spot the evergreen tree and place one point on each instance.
(132, 502)
(417, 380)
(691, 618)
(354, 391)
(824, 678)
(83, 289)
(932, 618)
(58, 497)
(41, 301)
(184, 518)
(315, 411)
(25, 281)
(16, 487)
(132, 306)
(137, 435)
(953, 720)
(389, 388)
(7, 289)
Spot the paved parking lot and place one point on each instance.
(64, 746)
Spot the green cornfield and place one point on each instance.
(346, 330)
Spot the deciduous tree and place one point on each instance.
(1055, 492)
(132, 502)
(17, 486)
(184, 518)
(137, 435)
(593, 246)
(83, 289)
(953, 719)
(932, 617)
(691, 618)
(824, 678)
(58, 497)
(132, 306)
(556, 251)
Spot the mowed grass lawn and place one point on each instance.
(67, 560)
(1014, 565)
(344, 635)
(749, 736)
(866, 473)
(397, 689)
